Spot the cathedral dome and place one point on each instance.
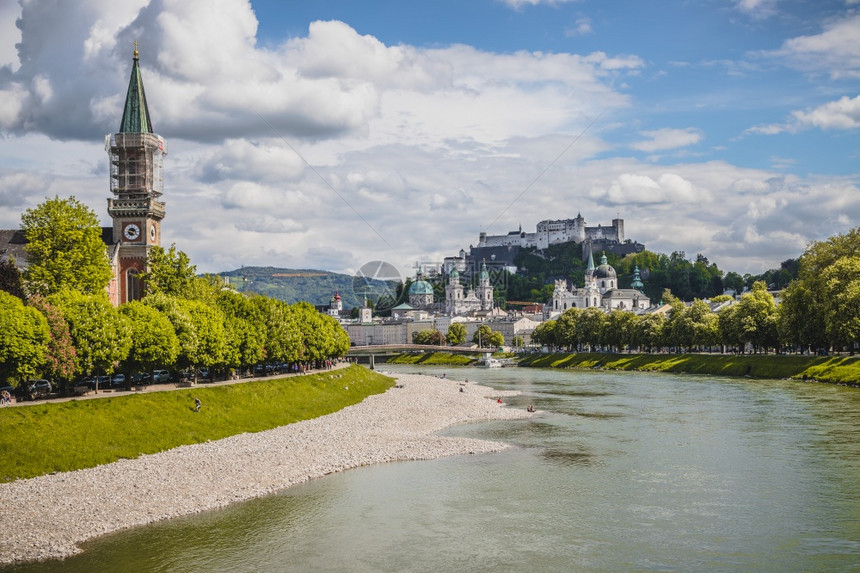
(604, 270)
(420, 287)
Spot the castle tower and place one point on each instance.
(136, 154)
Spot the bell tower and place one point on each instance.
(136, 155)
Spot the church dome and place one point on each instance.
(604, 270)
(420, 287)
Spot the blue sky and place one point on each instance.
(329, 133)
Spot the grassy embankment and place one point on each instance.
(833, 369)
(438, 358)
(65, 436)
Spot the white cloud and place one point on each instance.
(757, 8)
(835, 51)
(668, 138)
(581, 27)
(843, 113)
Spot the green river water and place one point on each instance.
(620, 472)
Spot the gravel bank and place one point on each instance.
(48, 516)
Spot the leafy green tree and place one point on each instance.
(208, 323)
(11, 280)
(544, 333)
(64, 248)
(734, 281)
(591, 325)
(184, 326)
(647, 331)
(841, 290)
(518, 342)
(485, 337)
(100, 334)
(427, 336)
(24, 336)
(244, 327)
(60, 356)
(283, 338)
(755, 318)
(153, 340)
(619, 329)
(169, 272)
(566, 332)
(456, 334)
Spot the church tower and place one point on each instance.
(136, 155)
(485, 290)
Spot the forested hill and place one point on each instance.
(294, 285)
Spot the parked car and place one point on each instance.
(160, 376)
(117, 381)
(33, 389)
(141, 379)
(88, 381)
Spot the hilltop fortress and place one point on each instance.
(502, 250)
(555, 232)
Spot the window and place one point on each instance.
(132, 285)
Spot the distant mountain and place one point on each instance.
(294, 285)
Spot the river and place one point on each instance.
(620, 471)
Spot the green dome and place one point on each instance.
(484, 274)
(420, 287)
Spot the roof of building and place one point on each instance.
(12, 242)
(135, 114)
(604, 270)
(420, 287)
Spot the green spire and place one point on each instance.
(135, 115)
(589, 270)
(637, 281)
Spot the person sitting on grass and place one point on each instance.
(197, 404)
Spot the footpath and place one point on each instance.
(170, 386)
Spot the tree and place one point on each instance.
(618, 329)
(427, 336)
(283, 339)
(100, 334)
(566, 332)
(485, 337)
(841, 282)
(591, 325)
(169, 272)
(755, 318)
(64, 248)
(518, 342)
(24, 336)
(544, 333)
(61, 358)
(456, 334)
(153, 340)
(244, 327)
(11, 280)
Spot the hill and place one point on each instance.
(293, 285)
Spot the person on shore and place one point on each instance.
(530, 408)
(499, 401)
(197, 404)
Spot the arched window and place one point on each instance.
(132, 285)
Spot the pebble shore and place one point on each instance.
(49, 516)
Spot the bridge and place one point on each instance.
(373, 350)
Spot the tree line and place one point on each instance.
(57, 321)
(819, 311)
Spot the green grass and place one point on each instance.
(65, 436)
(842, 370)
(438, 358)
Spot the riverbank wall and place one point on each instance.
(830, 369)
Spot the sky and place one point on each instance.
(331, 133)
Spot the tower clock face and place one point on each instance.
(131, 232)
(152, 232)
